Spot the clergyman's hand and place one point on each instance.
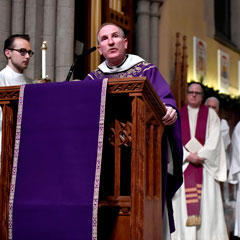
(170, 116)
(195, 159)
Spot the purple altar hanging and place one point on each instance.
(57, 160)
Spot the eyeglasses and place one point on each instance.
(192, 92)
(23, 51)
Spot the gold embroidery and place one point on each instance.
(190, 189)
(191, 195)
(137, 70)
(194, 220)
(90, 76)
(192, 201)
(146, 69)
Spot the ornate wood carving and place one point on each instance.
(179, 85)
(124, 134)
(177, 73)
(124, 86)
(133, 100)
(184, 67)
(8, 102)
(153, 166)
(136, 86)
(9, 93)
(125, 211)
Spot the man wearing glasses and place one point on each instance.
(198, 207)
(17, 50)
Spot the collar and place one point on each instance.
(10, 70)
(130, 61)
(119, 65)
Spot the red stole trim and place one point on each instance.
(200, 128)
(193, 174)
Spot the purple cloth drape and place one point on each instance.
(59, 155)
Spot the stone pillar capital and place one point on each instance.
(154, 9)
(143, 8)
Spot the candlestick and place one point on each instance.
(44, 62)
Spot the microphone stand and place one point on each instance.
(77, 59)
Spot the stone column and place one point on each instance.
(18, 11)
(208, 16)
(49, 34)
(96, 20)
(143, 29)
(154, 36)
(235, 21)
(34, 27)
(5, 27)
(64, 38)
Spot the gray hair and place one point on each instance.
(215, 99)
(109, 23)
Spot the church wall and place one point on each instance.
(53, 20)
(193, 18)
(5, 20)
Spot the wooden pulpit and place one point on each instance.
(9, 103)
(130, 198)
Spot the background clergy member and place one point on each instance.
(227, 189)
(17, 49)
(198, 208)
(234, 174)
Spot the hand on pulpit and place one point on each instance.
(170, 116)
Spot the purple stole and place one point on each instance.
(193, 175)
(57, 161)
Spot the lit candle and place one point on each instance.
(44, 63)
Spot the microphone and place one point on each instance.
(78, 57)
(88, 51)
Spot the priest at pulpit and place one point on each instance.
(112, 44)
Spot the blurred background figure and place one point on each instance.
(227, 189)
(197, 205)
(234, 174)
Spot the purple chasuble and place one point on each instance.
(57, 160)
(193, 173)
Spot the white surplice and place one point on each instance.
(8, 77)
(213, 226)
(234, 173)
(226, 139)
